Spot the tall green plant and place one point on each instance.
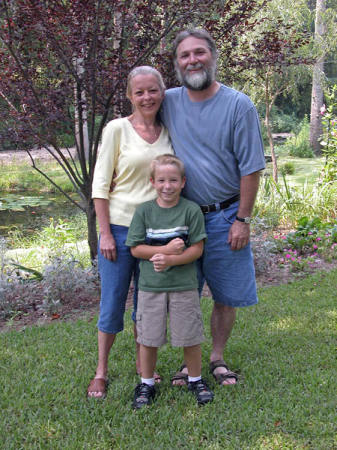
(329, 141)
(281, 203)
(299, 145)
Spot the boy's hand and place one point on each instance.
(160, 262)
(175, 247)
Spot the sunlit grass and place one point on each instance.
(21, 176)
(307, 170)
(284, 348)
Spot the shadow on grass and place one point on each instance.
(283, 348)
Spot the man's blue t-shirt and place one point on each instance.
(218, 139)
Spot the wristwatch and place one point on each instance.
(244, 219)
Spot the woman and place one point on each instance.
(129, 144)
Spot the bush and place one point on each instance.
(299, 145)
(63, 278)
(284, 123)
(288, 168)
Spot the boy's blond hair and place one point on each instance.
(167, 159)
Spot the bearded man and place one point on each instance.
(215, 131)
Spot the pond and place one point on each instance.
(30, 213)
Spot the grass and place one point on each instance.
(307, 170)
(284, 348)
(23, 177)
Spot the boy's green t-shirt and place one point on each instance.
(153, 225)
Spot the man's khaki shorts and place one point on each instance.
(183, 309)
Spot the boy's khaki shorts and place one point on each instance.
(183, 308)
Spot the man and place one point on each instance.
(215, 131)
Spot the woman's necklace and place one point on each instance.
(149, 134)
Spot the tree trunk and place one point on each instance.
(78, 128)
(317, 96)
(271, 145)
(268, 104)
(92, 231)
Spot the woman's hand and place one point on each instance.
(175, 247)
(108, 246)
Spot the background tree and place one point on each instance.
(64, 65)
(325, 44)
(272, 54)
(317, 96)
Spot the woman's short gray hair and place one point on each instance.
(144, 70)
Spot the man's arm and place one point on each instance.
(144, 251)
(161, 261)
(107, 241)
(239, 233)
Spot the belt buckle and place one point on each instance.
(206, 208)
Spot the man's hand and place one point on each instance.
(175, 247)
(108, 247)
(238, 236)
(160, 262)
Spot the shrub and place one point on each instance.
(299, 145)
(288, 168)
(282, 203)
(263, 247)
(284, 123)
(62, 280)
(304, 248)
(329, 138)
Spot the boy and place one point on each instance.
(167, 235)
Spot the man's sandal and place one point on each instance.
(97, 385)
(221, 377)
(180, 376)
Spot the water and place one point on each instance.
(35, 213)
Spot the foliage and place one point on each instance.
(287, 168)
(62, 278)
(312, 241)
(262, 246)
(12, 202)
(56, 235)
(281, 203)
(329, 142)
(282, 122)
(64, 67)
(299, 145)
(280, 72)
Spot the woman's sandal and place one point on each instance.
(97, 385)
(179, 376)
(220, 377)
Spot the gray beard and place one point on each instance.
(197, 81)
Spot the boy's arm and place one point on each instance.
(144, 251)
(162, 261)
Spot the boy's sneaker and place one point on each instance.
(201, 391)
(144, 395)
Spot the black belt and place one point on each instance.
(222, 205)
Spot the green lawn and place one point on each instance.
(307, 170)
(286, 399)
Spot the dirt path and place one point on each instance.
(21, 156)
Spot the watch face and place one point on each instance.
(244, 219)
